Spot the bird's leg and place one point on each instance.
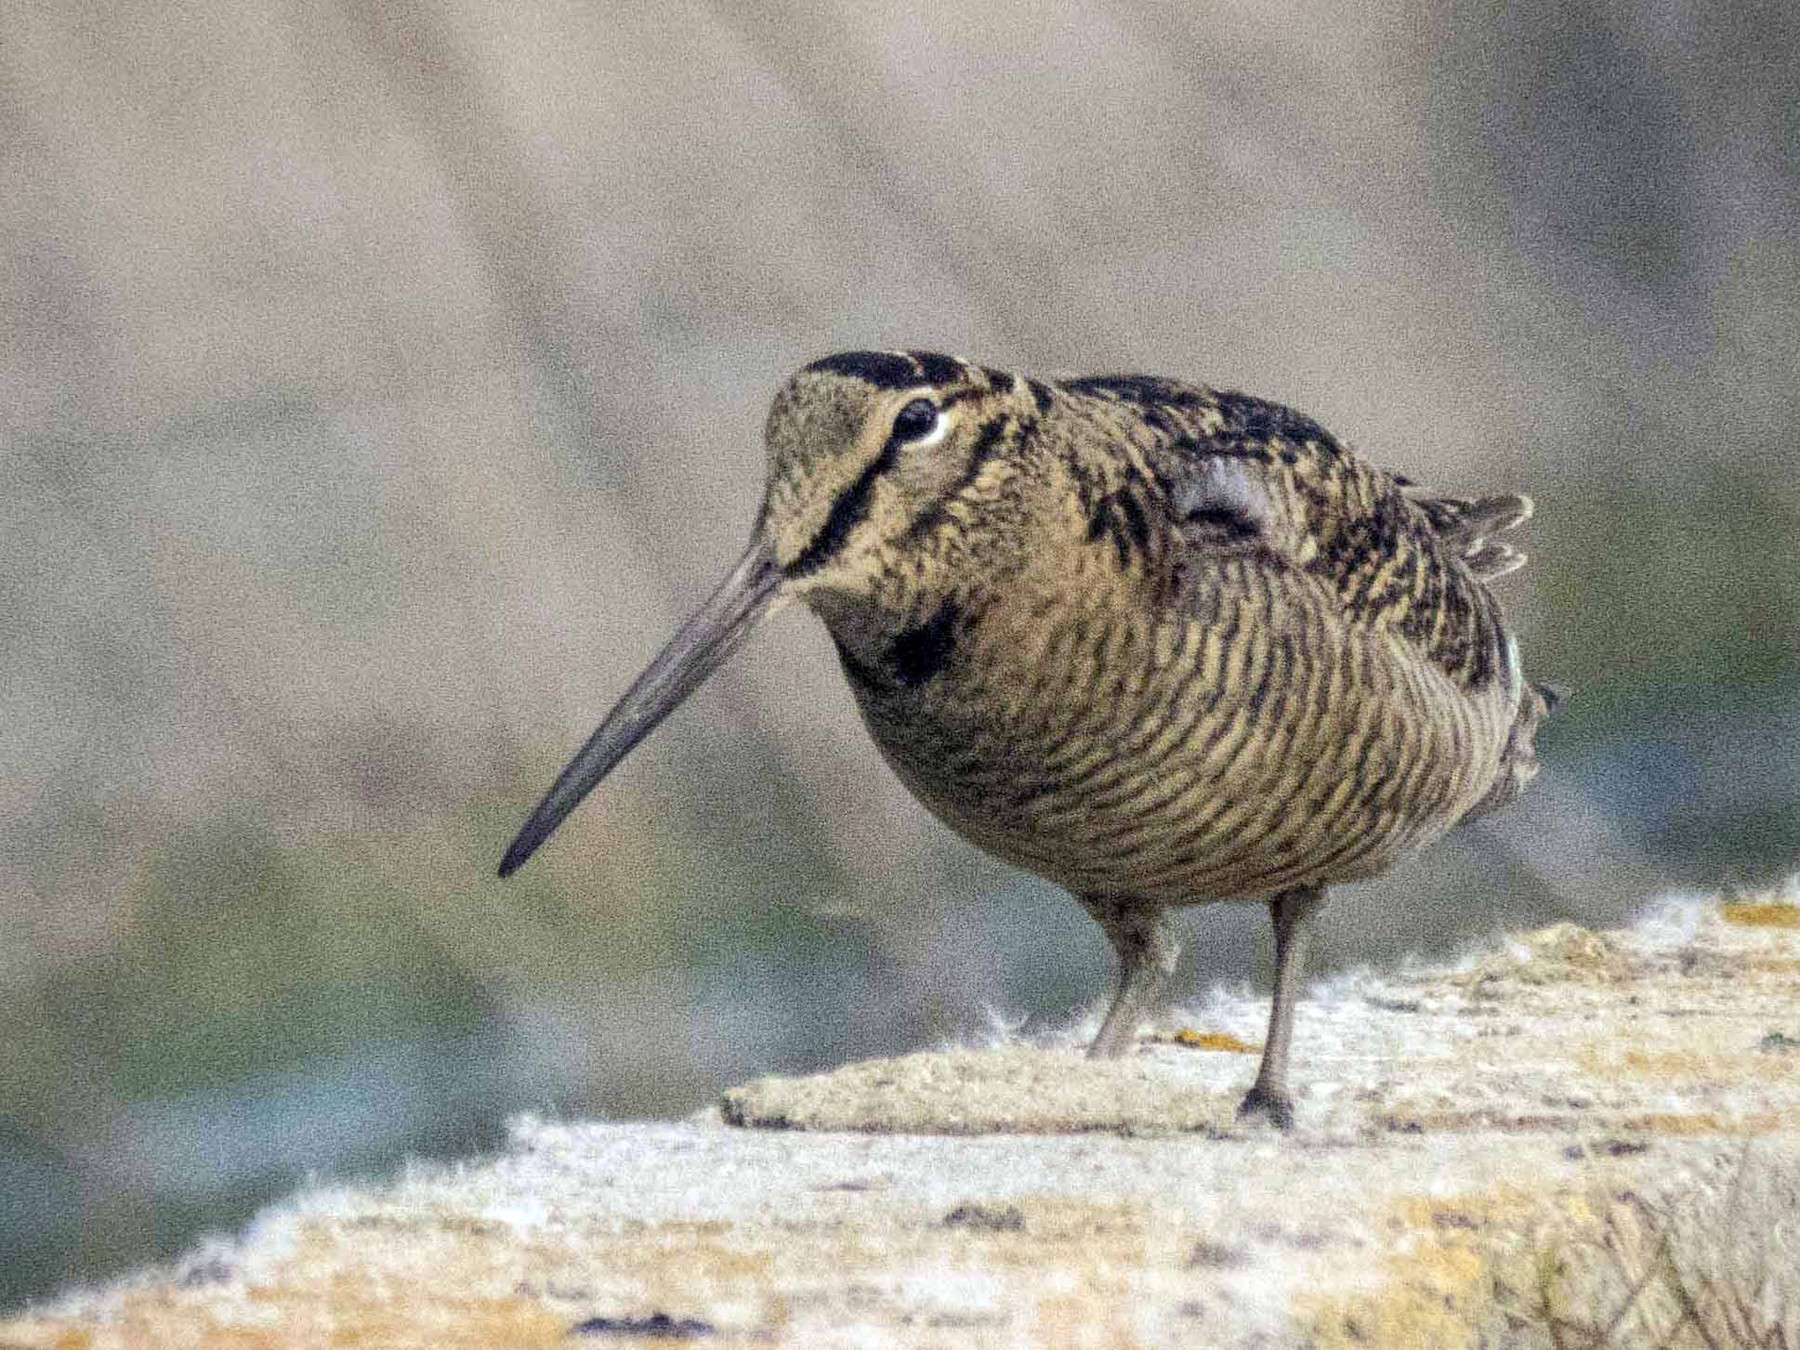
(1148, 948)
(1292, 912)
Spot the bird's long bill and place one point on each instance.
(698, 648)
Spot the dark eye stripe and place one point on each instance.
(851, 506)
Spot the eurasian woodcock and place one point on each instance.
(1158, 643)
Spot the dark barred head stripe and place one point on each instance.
(884, 370)
(1145, 391)
(938, 368)
(895, 370)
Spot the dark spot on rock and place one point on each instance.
(1394, 1005)
(1606, 1148)
(987, 1218)
(658, 1325)
(1211, 1255)
(963, 1321)
(734, 1111)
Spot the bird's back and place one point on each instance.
(1222, 656)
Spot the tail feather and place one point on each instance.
(1493, 559)
(1467, 525)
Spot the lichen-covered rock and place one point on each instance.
(1480, 1149)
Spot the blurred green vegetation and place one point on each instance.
(1674, 625)
(286, 1003)
(1662, 600)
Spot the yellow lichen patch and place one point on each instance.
(1446, 1257)
(1758, 964)
(1096, 1312)
(671, 1259)
(1212, 1040)
(373, 1317)
(1669, 1063)
(1675, 1068)
(1761, 913)
(307, 1313)
(329, 1290)
(1700, 1123)
(1059, 1218)
(45, 1336)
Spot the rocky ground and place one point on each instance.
(1572, 1138)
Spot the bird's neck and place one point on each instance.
(872, 626)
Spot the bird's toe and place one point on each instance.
(1269, 1104)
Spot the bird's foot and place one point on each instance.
(1270, 1104)
(1112, 1043)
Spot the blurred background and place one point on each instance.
(379, 383)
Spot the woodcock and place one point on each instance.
(1160, 644)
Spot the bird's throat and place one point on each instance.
(902, 647)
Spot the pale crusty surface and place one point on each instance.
(1455, 1124)
(1679, 1025)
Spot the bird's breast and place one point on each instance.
(1244, 740)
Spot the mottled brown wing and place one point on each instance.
(1239, 469)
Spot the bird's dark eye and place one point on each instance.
(916, 419)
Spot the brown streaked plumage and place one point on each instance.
(1160, 644)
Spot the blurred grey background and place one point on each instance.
(380, 382)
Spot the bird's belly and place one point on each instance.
(1184, 762)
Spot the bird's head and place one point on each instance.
(868, 452)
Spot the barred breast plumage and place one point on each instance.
(1158, 643)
